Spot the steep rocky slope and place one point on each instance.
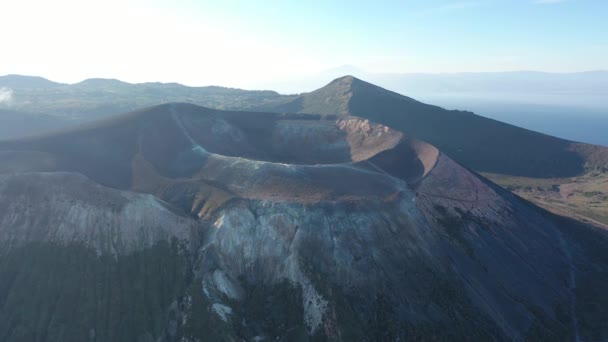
(520, 159)
(482, 144)
(179, 222)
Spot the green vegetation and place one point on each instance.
(584, 197)
(96, 98)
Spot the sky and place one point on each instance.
(245, 43)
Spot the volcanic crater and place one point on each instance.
(292, 157)
(302, 158)
(294, 138)
(365, 233)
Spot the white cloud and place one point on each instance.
(6, 96)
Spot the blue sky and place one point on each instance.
(237, 42)
(436, 36)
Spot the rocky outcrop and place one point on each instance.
(215, 226)
(66, 208)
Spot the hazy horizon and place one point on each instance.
(326, 75)
(508, 60)
(247, 45)
(567, 105)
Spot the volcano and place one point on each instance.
(483, 144)
(183, 223)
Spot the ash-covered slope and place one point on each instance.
(483, 144)
(278, 226)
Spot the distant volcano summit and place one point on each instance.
(482, 144)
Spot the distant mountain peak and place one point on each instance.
(358, 86)
(349, 81)
(102, 82)
(345, 79)
(337, 96)
(22, 81)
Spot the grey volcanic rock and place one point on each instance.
(237, 226)
(65, 208)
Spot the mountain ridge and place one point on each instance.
(20, 81)
(24, 81)
(560, 175)
(483, 144)
(347, 229)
